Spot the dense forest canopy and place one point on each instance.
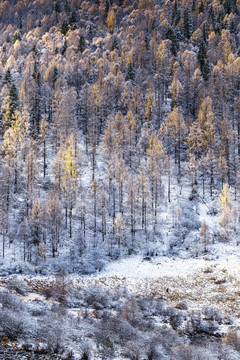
(106, 107)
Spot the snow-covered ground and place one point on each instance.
(208, 282)
(199, 282)
(138, 268)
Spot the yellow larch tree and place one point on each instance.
(176, 130)
(111, 20)
(155, 165)
(229, 214)
(149, 106)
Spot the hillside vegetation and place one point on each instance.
(113, 114)
(120, 136)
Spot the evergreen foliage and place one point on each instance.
(64, 27)
(81, 44)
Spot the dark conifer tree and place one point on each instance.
(175, 9)
(73, 18)
(57, 7)
(130, 72)
(107, 6)
(194, 5)
(81, 44)
(205, 33)
(7, 77)
(171, 35)
(13, 100)
(34, 50)
(64, 48)
(188, 26)
(16, 37)
(206, 69)
(64, 27)
(90, 33)
(115, 44)
(203, 60)
(55, 75)
(212, 15)
(201, 8)
(67, 7)
(202, 53)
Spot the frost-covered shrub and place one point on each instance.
(147, 305)
(183, 352)
(132, 312)
(150, 251)
(209, 327)
(19, 268)
(233, 339)
(190, 221)
(173, 243)
(175, 317)
(91, 262)
(116, 328)
(62, 286)
(37, 308)
(156, 352)
(182, 305)
(11, 301)
(48, 292)
(14, 325)
(97, 259)
(151, 353)
(17, 286)
(197, 326)
(96, 296)
(86, 351)
(133, 350)
(115, 254)
(52, 330)
(213, 314)
(159, 308)
(204, 351)
(167, 337)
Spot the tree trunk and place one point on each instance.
(70, 222)
(3, 245)
(44, 158)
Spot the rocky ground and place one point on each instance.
(8, 353)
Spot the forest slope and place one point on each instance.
(120, 136)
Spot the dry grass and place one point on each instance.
(210, 287)
(207, 288)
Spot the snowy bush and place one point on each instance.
(96, 295)
(175, 317)
(167, 337)
(11, 302)
(198, 326)
(233, 339)
(133, 350)
(52, 330)
(189, 219)
(115, 328)
(150, 251)
(213, 314)
(37, 308)
(13, 325)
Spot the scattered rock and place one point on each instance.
(8, 353)
(147, 258)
